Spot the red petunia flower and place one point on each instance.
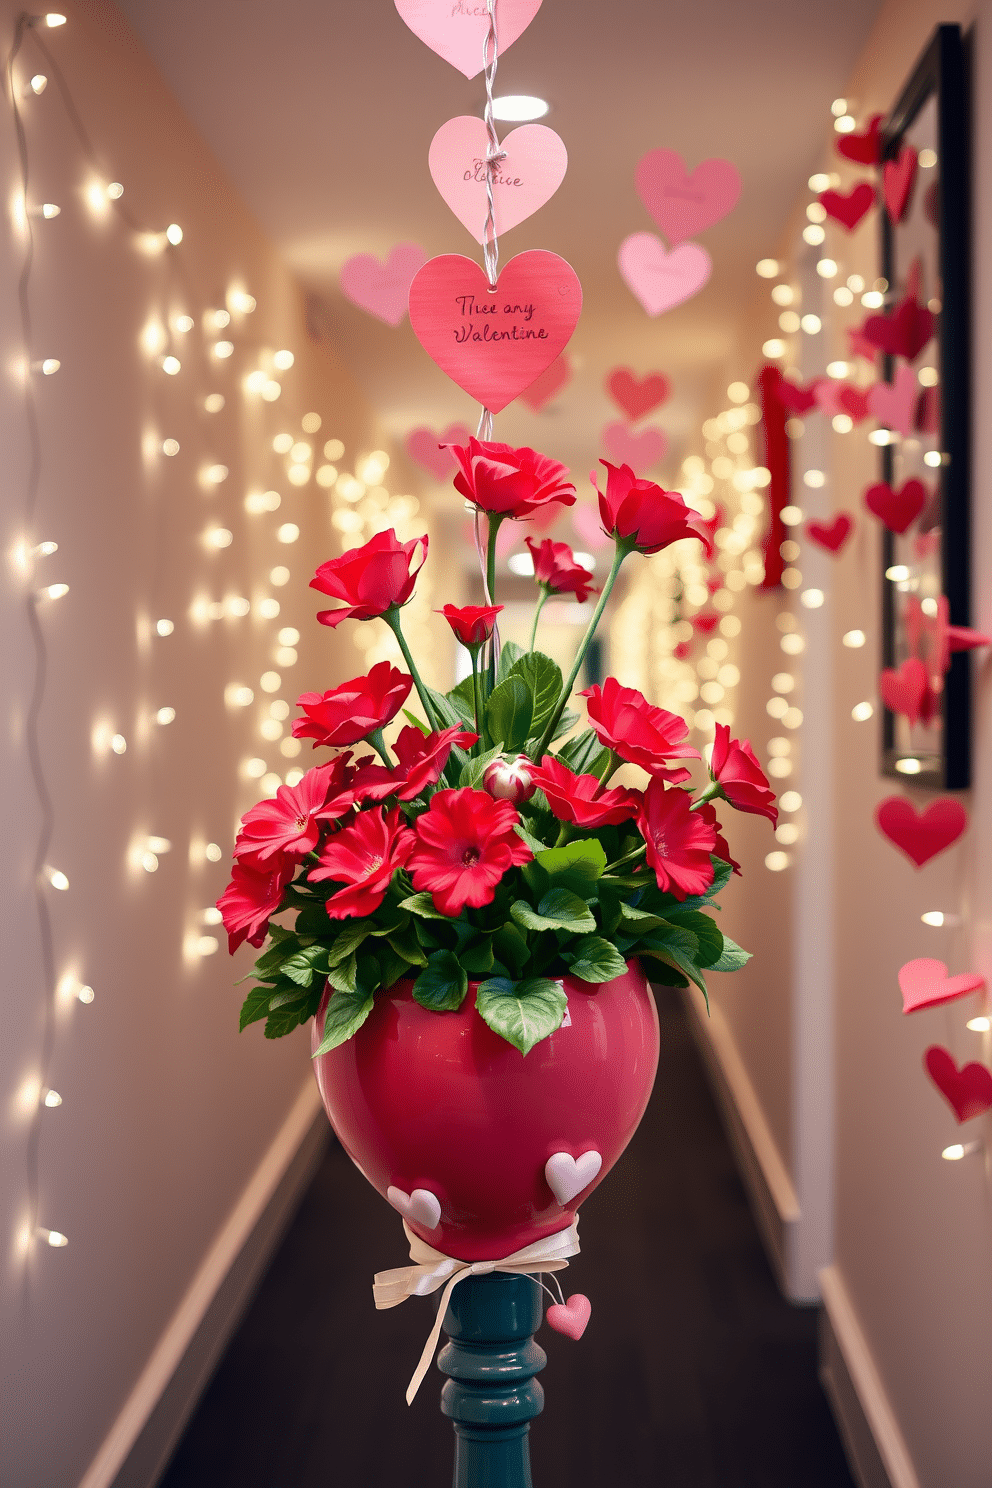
(370, 579)
(465, 843)
(251, 898)
(722, 848)
(556, 569)
(355, 709)
(290, 822)
(637, 731)
(582, 798)
(472, 624)
(509, 482)
(679, 841)
(741, 779)
(364, 857)
(641, 510)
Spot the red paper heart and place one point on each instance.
(658, 279)
(639, 451)
(457, 29)
(635, 396)
(898, 178)
(968, 1090)
(903, 333)
(849, 210)
(572, 1318)
(925, 983)
(382, 288)
(495, 343)
(424, 446)
(831, 535)
(682, 650)
(551, 381)
(854, 403)
(921, 837)
(859, 343)
(682, 204)
(704, 622)
(864, 147)
(903, 691)
(795, 398)
(897, 509)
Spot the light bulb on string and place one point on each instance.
(174, 233)
(51, 1099)
(981, 1024)
(54, 1238)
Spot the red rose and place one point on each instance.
(637, 731)
(290, 822)
(370, 579)
(555, 568)
(465, 843)
(252, 896)
(364, 857)
(722, 848)
(582, 798)
(679, 841)
(741, 779)
(355, 709)
(509, 482)
(641, 511)
(472, 624)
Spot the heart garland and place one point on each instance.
(903, 691)
(661, 279)
(924, 983)
(850, 209)
(894, 403)
(682, 204)
(898, 179)
(639, 451)
(905, 332)
(897, 509)
(864, 148)
(921, 837)
(831, 535)
(635, 396)
(968, 1090)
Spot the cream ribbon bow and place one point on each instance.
(433, 1269)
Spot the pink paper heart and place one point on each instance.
(894, 405)
(827, 394)
(921, 837)
(495, 343)
(457, 29)
(423, 445)
(968, 1090)
(925, 983)
(682, 204)
(635, 396)
(657, 278)
(903, 691)
(551, 381)
(589, 527)
(535, 164)
(639, 451)
(572, 1318)
(382, 288)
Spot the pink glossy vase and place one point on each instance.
(437, 1102)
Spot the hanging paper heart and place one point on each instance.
(659, 279)
(705, 622)
(859, 343)
(639, 451)
(903, 691)
(897, 509)
(925, 983)
(457, 29)
(854, 402)
(921, 837)
(423, 445)
(682, 204)
(382, 288)
(831, 535)
(494, 343)
(635, 396)
(795, 398)
(533, 169)
(898, 177)
(894, 404)
(905, 332)
(570, 1317)
(968, 1090)
(864, 147)
(848, 210)
(827, 395)
(551, 381)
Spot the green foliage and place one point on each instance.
(543, 680)
(509, 712)
(443, 983)
(559, 909)
(344, 1015)
(594, 960)
(585, 755)
(522, 1012)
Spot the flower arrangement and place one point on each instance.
(470, 849)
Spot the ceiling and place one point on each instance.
(321, 113)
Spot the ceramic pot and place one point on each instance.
(439, 1103)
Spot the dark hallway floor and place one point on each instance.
(693, 1372)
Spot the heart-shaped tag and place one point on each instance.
(903, 691)
(571, 1318)
(551, 381)
(567, 1176)
(796, 399)
(968, 1090)
(921, 837)
(639, 451)
(635, 396)
(925, 983)
(831, 535)
(382, 288)
(898, 177)
(864, 147)
(848, 210)
(905, 332)
(894, 404)
(853, 402)
(420, 1207)
(533, 169)
(897, 509)
(682, 204)
(424, 446)
(657, 278)
(494, 343)
(457, 29)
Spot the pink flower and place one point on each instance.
(251, 898)
(472, 624)
(510, 780)
(642, 511)
(509, 482)
(289, 823)
(679, 841)
(364, 857)
(555, 569)
(582, 798)
(465, 843)
(370, 579)
(355, 709)
(637, 731)
(741, 779)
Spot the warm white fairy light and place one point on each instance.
(287, 533)
(958, 1150)
(171, 365)
(170, 447)
(213, 852)
(218, 537)
(54, 1238)
(861, 712)
(767, 268)
(118, 744)
(269, 608)
(56, 878)
(214, 402)
(164, 627)
(165, 716)
(236, 695)
(981, 1024)
(283, 360)
(51, 1099)
(223, 349)
(270, 681)
(174, 233)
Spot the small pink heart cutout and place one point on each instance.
(639, 451)
(683, 204)
(924, 983)
(382, 288)
(572, 1318)
(659, 279)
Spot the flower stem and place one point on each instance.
(627, 858)
(379, 745)
(494, 522)
(392, 619)
(480, 719)
(545, 592)
(712, 790)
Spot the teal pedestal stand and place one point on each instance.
(491, 1394)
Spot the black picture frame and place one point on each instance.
(940, 84)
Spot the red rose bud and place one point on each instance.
(355, 709)
(472, 624)
(640, 512)
(555, 567)
(741, 779)
(509, 482)
(370, 579)
(510, 780)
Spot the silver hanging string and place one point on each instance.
(490, 249)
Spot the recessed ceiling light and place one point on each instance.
(519, 108)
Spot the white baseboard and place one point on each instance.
(138, 1446)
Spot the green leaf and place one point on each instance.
(448, 712)
(347, 941)
(462, 699)
(419, 723)
(638, 921)
(733, 958)
(343, 1016)
(595, 960)
(442, 985)
(509, 654)
(523, 1013)
(511, 948)
(478, 959)
(708, 935)
(534, 843)
(575, 866)
(422, 905)
(473, 772)
(542, 678)
(344, 976)
(284, 1019)
(255, 1006)
(567, 720)
(585, 755)
(673, 955)
(407, 946)
(560, 909)
(509, 712)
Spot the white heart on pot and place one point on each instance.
(420, 1207)
(568, 1175)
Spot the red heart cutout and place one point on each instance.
(495, 343)
(859, 343)
(903, 333)
(849, 210)
(864, 147)
(635, 396)
(572, 1317)
(854, 402)
(921, 837)
(832, 535)
(704, 622)
(682, 650)
(797, 399)
(968, 1090)
(925, 983)
(899, 176)
(551, 381)
(903, 691)
(897, 509)
(424, 446)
